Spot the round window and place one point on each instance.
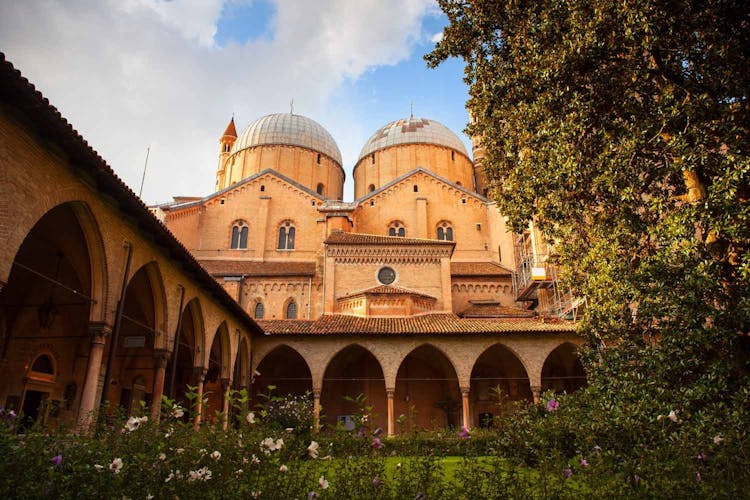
(386, 275)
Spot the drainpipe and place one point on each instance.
(176, 345)
(309, 295)
(116, 328)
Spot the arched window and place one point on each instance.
(371, 188)
(318, 158)
(291, 310)
(43, 364)
(259, 310)
(397, 228)
(445, 231)
(239, 236)
(320, 189)
(286, 236)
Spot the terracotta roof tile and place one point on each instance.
(340, 237)
(478, 269)
(256, 268)
(230, 131)
(430, 324)
(495, 310)
(387, 290)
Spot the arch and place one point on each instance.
(562, 370)
(371, 188)
(285, 369)
(396, 228)
(241, 375)
(427, 391)
(320, 189)
(260, 310)
(141, 333)
(85, 222)
(287, 233)
(54, 288)
(218, 370)
(240, 231)
(290, 309)
(189, 353)
(498, 380)
(351, 372)
(445, 230)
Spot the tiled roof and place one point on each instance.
(495, 310)
(478, 269)
(340, 237)
(418, 170)
(444, 324)
(230, 131)
(255, 268)
(17, 93)
(387, 290)
(198, 201)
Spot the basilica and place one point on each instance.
(413, 297)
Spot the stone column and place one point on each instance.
(99, 332)
(536, 391)
(390, 393)
(161, 356)
(199, 375)
(466, 415)
(316, 410)
(226, 383)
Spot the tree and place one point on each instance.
(621, 128)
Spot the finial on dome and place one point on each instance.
(411, 109)
(291, 106)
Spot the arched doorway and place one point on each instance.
(563, 370)
(427, 394)
(184, 359)
(354, 373)
(498, 381)
(285, 370)
(217, 373)
(45, 309)
(133, 365)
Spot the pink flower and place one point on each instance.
(57, 459)
(377, 432)
(376, 444)
(584, 462)
(698, 476)
(376, 481)
(567, 472)
(464, 433)
(702, 457)
(552, 405)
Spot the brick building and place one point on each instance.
(98, 300)
(411, 295)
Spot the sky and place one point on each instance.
(169, 74)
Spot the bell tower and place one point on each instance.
(225, 147)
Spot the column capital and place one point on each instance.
(225, 383)
(536, 389)
(317, 393)
(99, 331)
(199, 374)
(161, 357)
(465, 391)
(390, 393)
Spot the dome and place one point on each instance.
(411, 131)
(288, 129)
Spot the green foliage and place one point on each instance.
(621, 130)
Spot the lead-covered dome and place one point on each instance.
(288, 129)
(413, 131)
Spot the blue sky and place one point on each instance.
(129, 74)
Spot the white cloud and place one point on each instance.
(437, 37)
(146, 72)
